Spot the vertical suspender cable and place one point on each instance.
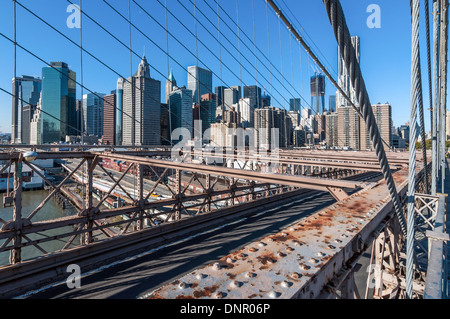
(443, 86)
(220, 58)
(435, 107)
(19, 110)
(259, 104)
(268, 47)
(415, 86)
(430, 85)
(168, 74)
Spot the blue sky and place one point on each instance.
(385, 52)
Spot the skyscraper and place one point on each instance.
(348, 128)
(181, 107)
(253, 93)
(27, 89)
(332, 103)
(142, 108)
(247, 112)
(93, 114)
(199, 82)
(232, 96)
(318, 93)
(383, 118)
(109, 119)
(207, 111)
(119, 113)
(220, 94)
(295, 105)
(58, 103)
(344, 77)
(270, 128)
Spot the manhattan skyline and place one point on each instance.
(385, 71)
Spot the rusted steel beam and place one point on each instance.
(288, 180)
(297, 262)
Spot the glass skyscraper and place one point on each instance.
(199, 82)
(295, 105)
(58, 118)
(27, 89)
(181, 108)
(318, 93)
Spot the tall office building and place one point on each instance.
(142, 108)
(27, 117)
(247, 112)
(119, 112)
(109, 118)
(232, 96)
(93, 114)
(348, 128)
(58, 103)
(295, 118)
(266, 100)
(332, 103)
(181, 110)
(295, 105)
(318, 93)
(27, 89)
(344, 77)
(35, 126)
(253, 93)
(270, 128)
(383, 118)
(199, 82)
(220, 95)
(331, 134)
(165, 127)
(207, 111)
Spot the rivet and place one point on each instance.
(338, 240)
(242, 255)
(217, 266)
(313, 261)
(261, 244)
(183, 285)
(321, 254)
(236, 284)
(304, 267)
(281, 255)
(286, 284)
(253, 249)
(273, 294)
(296, 275)
(230, 260)
(200, 276)
(331, 247)
(343, 236)
(289, 249)
(250, 275)
(218, 295)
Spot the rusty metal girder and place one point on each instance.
(279, 179)
(298, 262)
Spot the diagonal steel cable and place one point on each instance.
(346, 49)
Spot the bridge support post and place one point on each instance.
(88, 236)
(141, 200)
(16, 253)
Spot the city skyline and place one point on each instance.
(105, 82)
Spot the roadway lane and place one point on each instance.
(134, 277)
